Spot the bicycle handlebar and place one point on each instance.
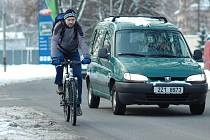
(66, 62)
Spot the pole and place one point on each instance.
(111, 7)
(199, 15)
(4, 36)
(70, 3)
(13, 48)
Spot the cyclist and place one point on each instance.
(67, 37)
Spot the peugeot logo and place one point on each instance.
(167, 78)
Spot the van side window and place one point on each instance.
(107, 42)
(92, 42)
(98, 42)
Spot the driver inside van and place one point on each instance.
(152, 46)
(164, 48)
(158, 45)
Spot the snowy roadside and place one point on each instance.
(208, 77)
(24, 73)
(26, 123)
(21, 123)
(207, 72)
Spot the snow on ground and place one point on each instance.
(23, 73)
(208, 77)
(207, 72)
(21, 123)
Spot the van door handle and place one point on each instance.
(109, 75)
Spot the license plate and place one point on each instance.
(168, 90)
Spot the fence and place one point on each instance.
(21, 47)
(17, 57)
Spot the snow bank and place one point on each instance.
(24, 73)
(22, 123)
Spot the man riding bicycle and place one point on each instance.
(67, 37)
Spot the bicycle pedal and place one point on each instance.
(60, 93)
(62, 103)
(79, 112)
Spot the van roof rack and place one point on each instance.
(152, 17)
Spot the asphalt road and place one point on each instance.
(139, 123)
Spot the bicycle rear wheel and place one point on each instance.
(73, 112)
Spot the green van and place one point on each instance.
(146, 61)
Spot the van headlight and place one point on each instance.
(135, 77)
(197, 78)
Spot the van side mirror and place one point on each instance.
(198, 55)
(103, 53)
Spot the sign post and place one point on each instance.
(45, 27)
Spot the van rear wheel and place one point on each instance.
(117, 107)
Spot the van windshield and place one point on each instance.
(151, 43)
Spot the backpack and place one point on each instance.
(59, 17)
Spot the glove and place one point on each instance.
(86, 61)
(56, 61)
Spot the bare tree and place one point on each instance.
(81, 9)
(24, 10)
(92, 11)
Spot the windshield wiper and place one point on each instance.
(132, 54)
(164, 55)
(184, 57)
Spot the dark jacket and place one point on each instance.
(67, 40)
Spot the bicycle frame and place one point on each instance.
(68, 77)
(70, 92)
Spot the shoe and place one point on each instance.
(60, 89)
(62, 103)
(79, 111)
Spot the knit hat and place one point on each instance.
(70, 13)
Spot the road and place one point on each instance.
(139, 123)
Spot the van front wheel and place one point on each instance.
(117, 107)
(93, 100)
(197, 109)
(163, 105)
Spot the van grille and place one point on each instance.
(163, 78)
(166, 97)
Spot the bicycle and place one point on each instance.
(70, 94)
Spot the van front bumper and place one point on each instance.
(143, 93)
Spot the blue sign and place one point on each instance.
(45, 27)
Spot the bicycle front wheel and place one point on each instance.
(73, 112)
(65, 99)
(66, 110)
